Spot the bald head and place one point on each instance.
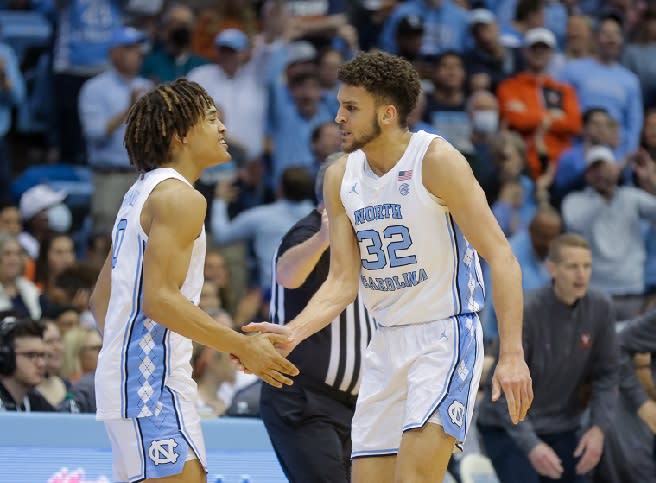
(545, 226)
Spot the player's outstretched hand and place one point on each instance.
(284, 347)
(513, 377)
(261, 357)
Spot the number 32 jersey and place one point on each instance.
(416, 265)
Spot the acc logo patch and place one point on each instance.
(404, 189)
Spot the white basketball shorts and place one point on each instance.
(414, 374)
(159, 445)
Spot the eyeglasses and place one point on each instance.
(33, 355)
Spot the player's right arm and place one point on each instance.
(341, 286)
(173, 218)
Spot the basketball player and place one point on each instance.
(407, 220)
(147, 293)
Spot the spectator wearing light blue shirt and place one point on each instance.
(328, 61)
(237, 81)
(603, 82)
(83, 35)
(264, 225)
(104, 103)
(530, 246)
(445, 107)
(445, 26)
(12, 93)
(642, 48)
(528, 14)
(296, 109)
(555, 17)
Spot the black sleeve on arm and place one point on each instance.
(302, 231)
(295, 236)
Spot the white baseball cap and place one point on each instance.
(39, 198)
(540, 36)
(300, 51)
(481, 16)
(599, 153)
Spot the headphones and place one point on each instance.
(7, 354)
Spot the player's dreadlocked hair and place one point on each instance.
(389, 78)
(156, 117)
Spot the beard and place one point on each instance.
(361, 141)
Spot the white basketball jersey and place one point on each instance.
(139, 356)
(417, 265)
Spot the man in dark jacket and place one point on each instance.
(569, 341)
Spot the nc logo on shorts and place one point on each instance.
(456, 413)
(162, 451)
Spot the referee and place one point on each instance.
(309, 423)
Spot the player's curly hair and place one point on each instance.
(389, 78)
(169, 109)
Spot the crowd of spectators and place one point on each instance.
(553, 104)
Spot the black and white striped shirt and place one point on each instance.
(334, 355)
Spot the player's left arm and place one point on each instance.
(99, 300)
(447, 175)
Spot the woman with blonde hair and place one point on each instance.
(81, 348)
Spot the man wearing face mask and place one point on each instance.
(483, 112)
(174, 58)
(485, 123)
(539, 107)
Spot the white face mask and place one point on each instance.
(59, 218)
(486, 122)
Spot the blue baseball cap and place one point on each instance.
(125, 36)
(233, 39)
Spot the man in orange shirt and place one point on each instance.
(544, 111)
